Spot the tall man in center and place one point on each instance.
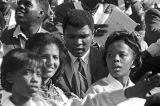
(84, 63)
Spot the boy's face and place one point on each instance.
(28, 11)
(78, 40)
(26, 82)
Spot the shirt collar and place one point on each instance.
(84, 58)
(8, 102)
(18, 32)
(115, 83)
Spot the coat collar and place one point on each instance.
(69, 71)
(19, 32)
(115, 83)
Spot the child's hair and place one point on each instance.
(78, 19)
(17, 59)
(38, 41)
(131, 40)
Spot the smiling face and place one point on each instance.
(50, 56)
(78, 40)
(28, 11)
(26, 82)
(120, 59)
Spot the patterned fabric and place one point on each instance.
(49, 91)
(7, 18)
(83, 79)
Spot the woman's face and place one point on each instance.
(50, 56)
(120, 59)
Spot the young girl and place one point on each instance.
(51, 50)
(122, 54)
(21, 76)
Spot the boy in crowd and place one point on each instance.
(29, 15)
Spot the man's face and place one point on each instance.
(28, 11)
(78, 40)
(3, 5)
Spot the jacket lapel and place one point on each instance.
(68, 70)
(93, 64)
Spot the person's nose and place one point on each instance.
(20, 6)
(79, 41)
(34, 78)
(50, 60)
(116, 58)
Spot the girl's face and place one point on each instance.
(50, 56)
(120, 59)
(26, 82)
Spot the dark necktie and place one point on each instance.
(79, 82)
(82, 78)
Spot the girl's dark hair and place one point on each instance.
(17, 59)
(131, 40)
(38, 41)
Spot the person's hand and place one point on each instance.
(100, 29)
(143, 86)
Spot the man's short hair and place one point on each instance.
(78, 19)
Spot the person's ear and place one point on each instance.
(41, 13)
(133, 66)
(10, 77)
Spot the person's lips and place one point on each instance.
(79, 49)
(19, 13)
(116, 67)
(50, 69)
(34, 88)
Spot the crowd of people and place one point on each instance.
(79, 52)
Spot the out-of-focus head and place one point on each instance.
(152, 21)
(153, 100)
(21, 72)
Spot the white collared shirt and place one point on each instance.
(110, 84)
(107, 84)
(18, 32)
(12, 21)
(8, 102)
(85, 64)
